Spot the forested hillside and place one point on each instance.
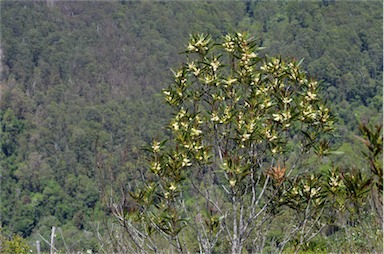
(81, 86)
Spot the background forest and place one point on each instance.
(81, 86)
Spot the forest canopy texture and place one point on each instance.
(88, 96)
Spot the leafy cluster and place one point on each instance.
(235, 114)
(15, 244)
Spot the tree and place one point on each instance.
(242, 130)
(355, 198)
(373, 141)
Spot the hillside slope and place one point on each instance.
(81, 84)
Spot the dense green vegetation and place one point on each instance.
(80, 97)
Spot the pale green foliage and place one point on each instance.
(234, 116)
(14, 245)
